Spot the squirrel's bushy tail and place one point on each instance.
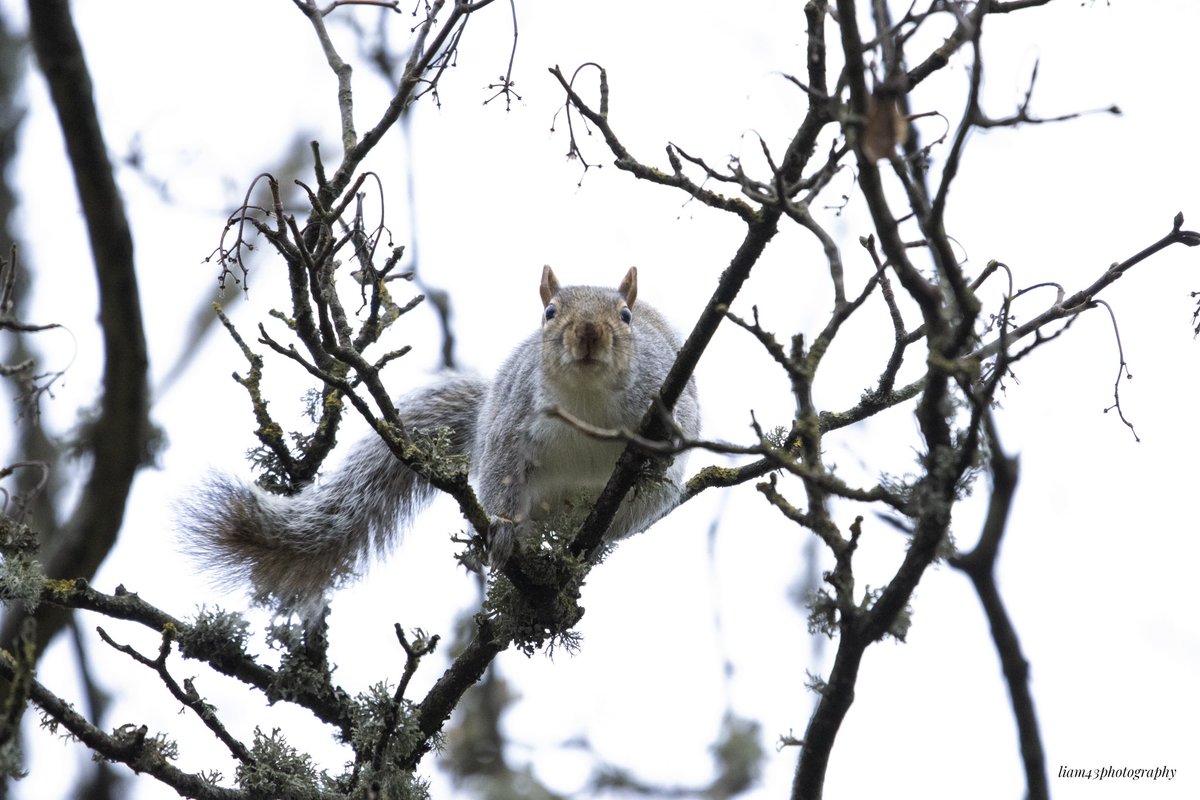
(298, 547)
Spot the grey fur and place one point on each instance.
(534, 462)
(587, 360)
(300, 546)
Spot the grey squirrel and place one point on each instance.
(595, 357)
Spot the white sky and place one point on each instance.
(1098, 564)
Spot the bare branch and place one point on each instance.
(188, 697)
(341, 69)
(1122, 370)
(980, 566)
(625, 161)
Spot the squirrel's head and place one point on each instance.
(587, 331)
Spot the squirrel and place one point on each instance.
(595, 358)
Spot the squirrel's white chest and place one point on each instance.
(567, 464)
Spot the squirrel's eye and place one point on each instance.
(626, 315)
(550, 312)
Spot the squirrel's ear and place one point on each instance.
(549, 286)
(628, 287)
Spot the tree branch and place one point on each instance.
(121, 435)
(980, 566)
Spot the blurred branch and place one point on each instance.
(120, 436)
(385, 62)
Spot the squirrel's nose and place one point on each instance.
(589, 338)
